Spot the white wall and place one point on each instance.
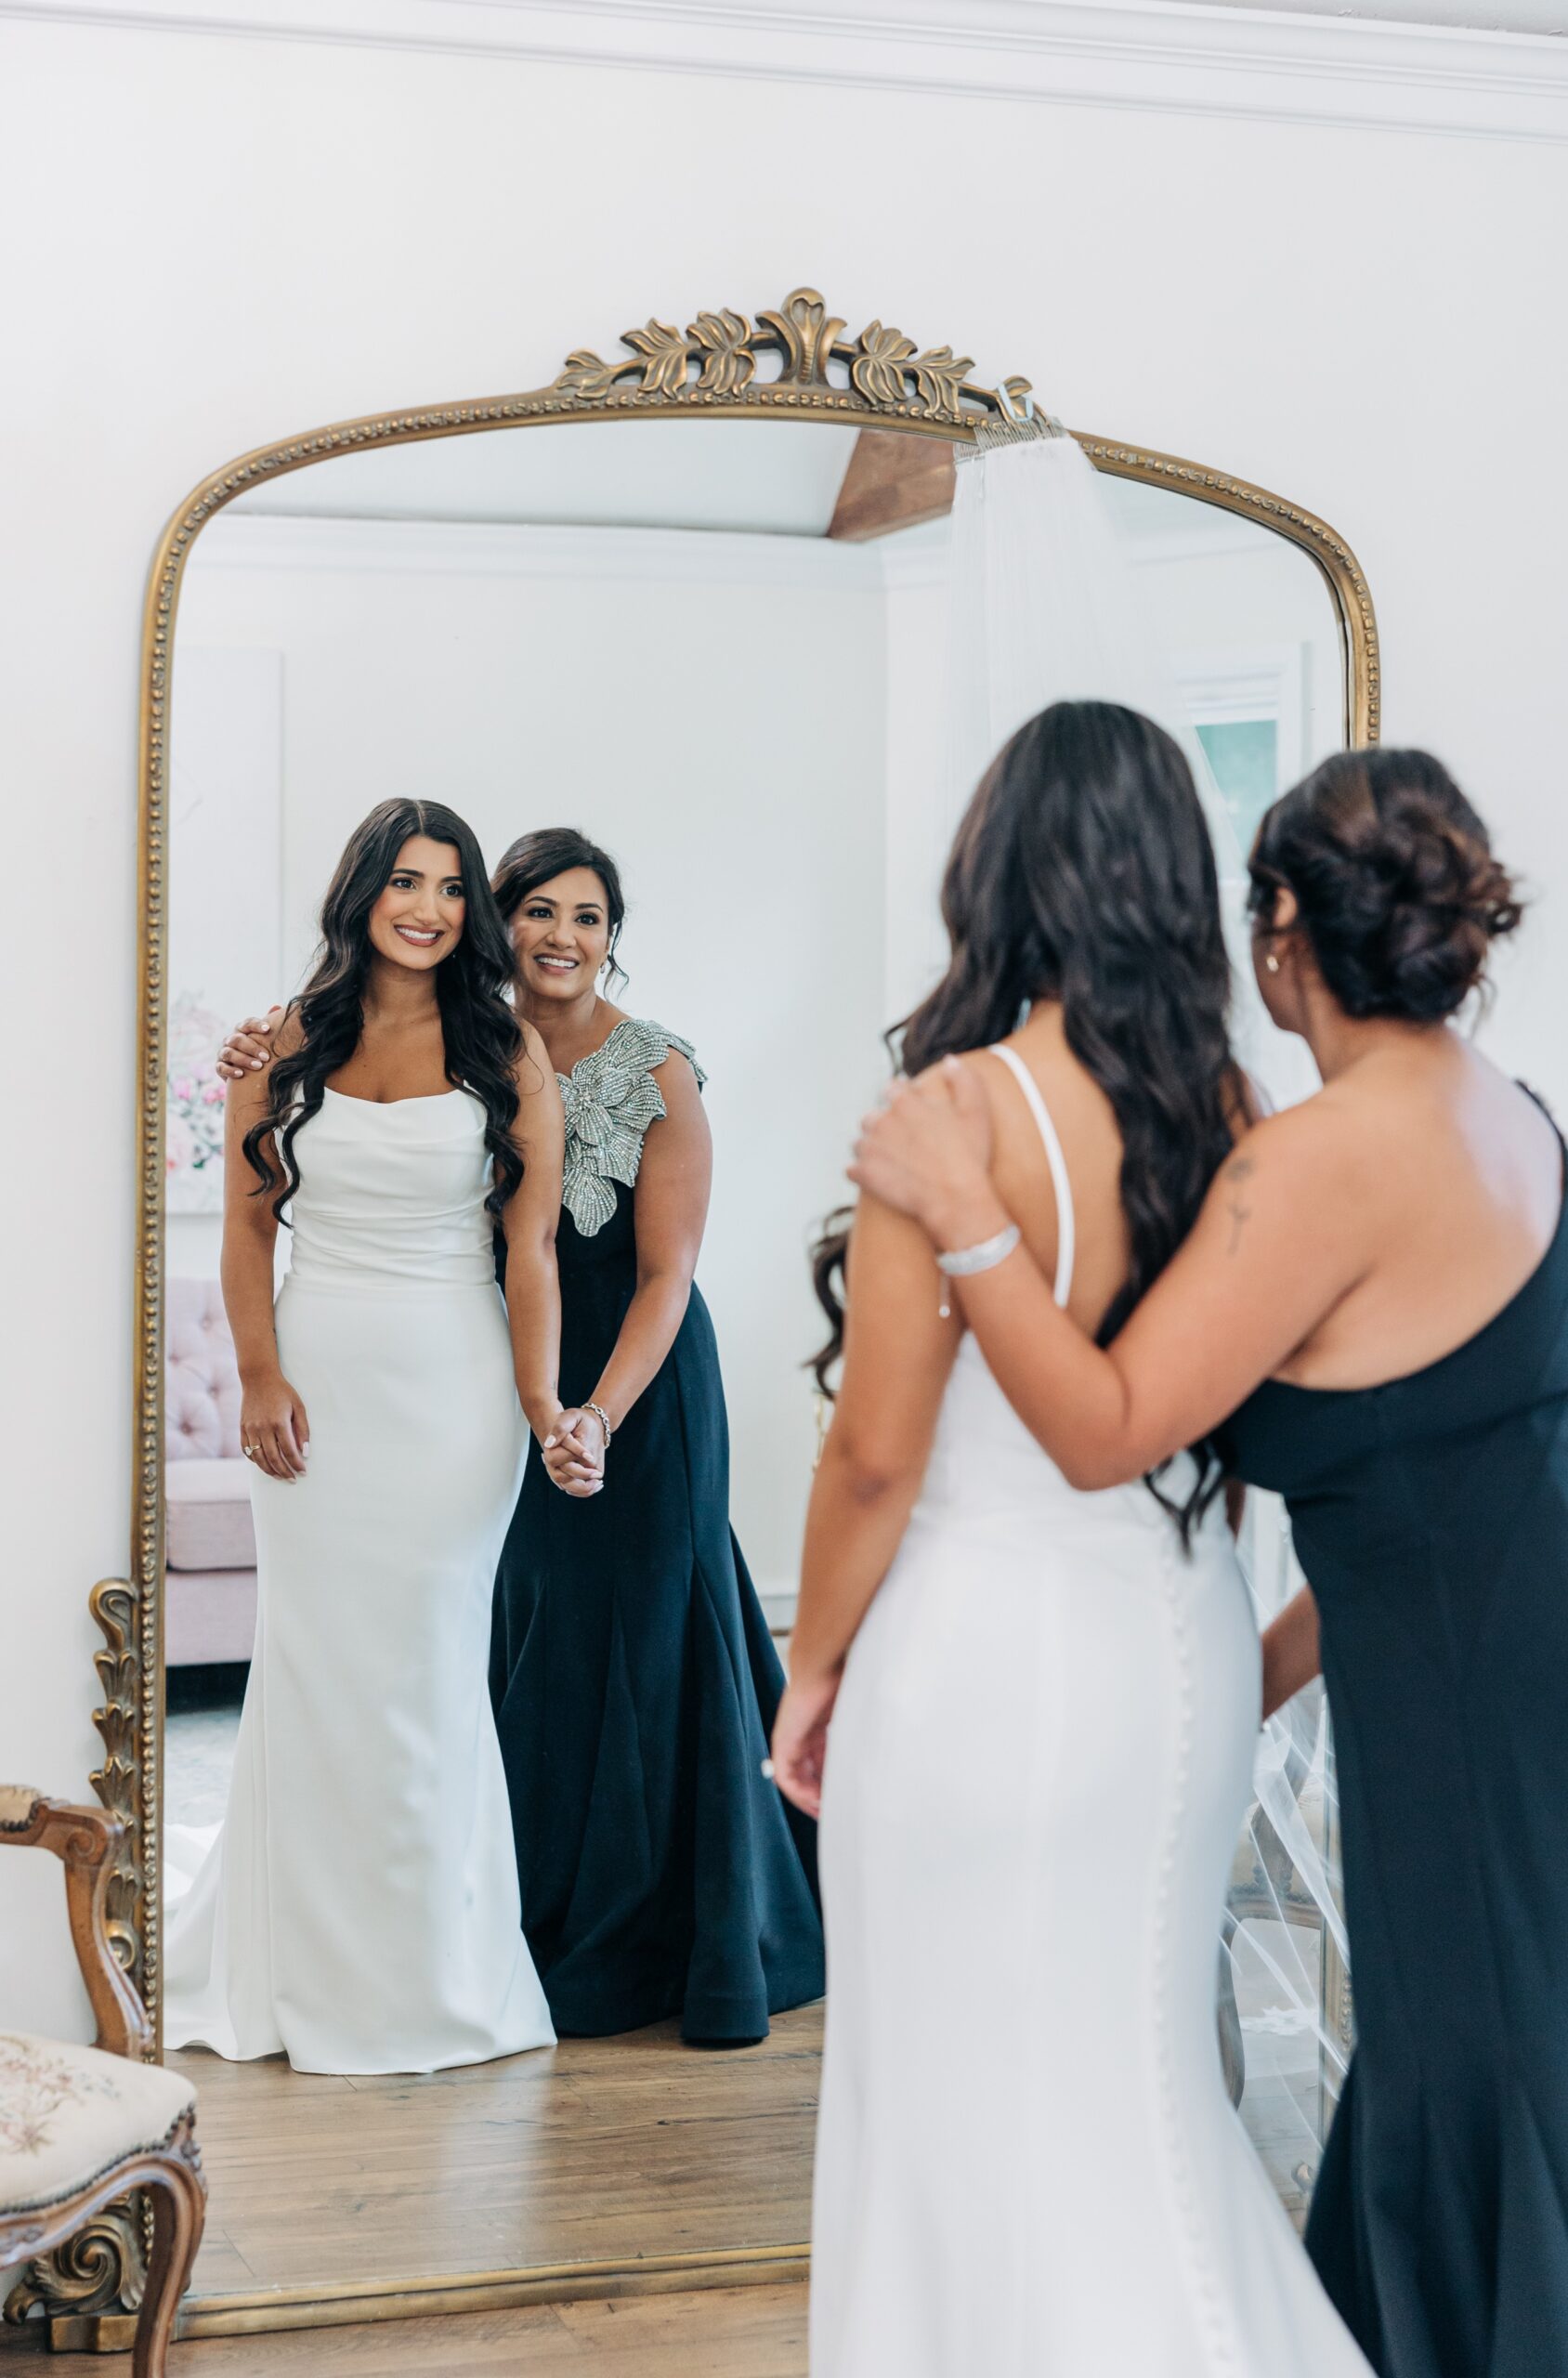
(216, 242)
(709, 707)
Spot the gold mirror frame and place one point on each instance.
(880, 379)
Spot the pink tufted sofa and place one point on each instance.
(209, 1607)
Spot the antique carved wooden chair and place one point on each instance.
(79, 2126)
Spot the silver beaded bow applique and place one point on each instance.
(610, 1098)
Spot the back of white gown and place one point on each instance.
(1038, 1769)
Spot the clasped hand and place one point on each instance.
(574, 1451)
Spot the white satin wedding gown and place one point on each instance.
(1027, 2165)
(360, 1909)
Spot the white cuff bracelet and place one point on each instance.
(965, 1260)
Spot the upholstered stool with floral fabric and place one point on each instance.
(79, 2126)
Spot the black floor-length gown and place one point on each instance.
(1430, 1516)
(633, 1674)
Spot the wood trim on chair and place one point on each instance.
(84, 1840)
(171, 2173)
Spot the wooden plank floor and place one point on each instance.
(594, 2150)
(738, 2332)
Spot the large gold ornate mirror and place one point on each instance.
(703, 621)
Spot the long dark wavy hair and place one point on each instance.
(539, 858)
(481, 1035)
(1083, 873)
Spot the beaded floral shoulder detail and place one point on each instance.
(610, 1097)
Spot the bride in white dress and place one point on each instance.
(1034, 1763)
(360, 1908)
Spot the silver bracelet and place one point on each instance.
(599, 1414)
(964, 1261)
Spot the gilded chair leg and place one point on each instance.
(180, 2200)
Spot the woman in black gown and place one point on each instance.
(633, 1677)
(1371, 1313)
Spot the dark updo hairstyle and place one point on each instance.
(538, 858)
(1083, 871)
(479, 1033)
(1398, 892)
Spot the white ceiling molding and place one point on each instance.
(669, 556)
(915, 558)
(1496, 16)
(510, 549)
(1164, 55)
(919, 556)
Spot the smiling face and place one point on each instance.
(418, 919)
(561, 936)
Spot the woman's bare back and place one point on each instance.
(1087, 1127)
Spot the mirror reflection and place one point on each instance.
(561, 813)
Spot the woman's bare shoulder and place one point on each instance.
(1317, 1148)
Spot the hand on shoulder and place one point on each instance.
(249, 1046)
(926, 1150)
(250, 1090)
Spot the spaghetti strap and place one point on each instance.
(1065, 1230)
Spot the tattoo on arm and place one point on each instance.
(1239, 1169)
